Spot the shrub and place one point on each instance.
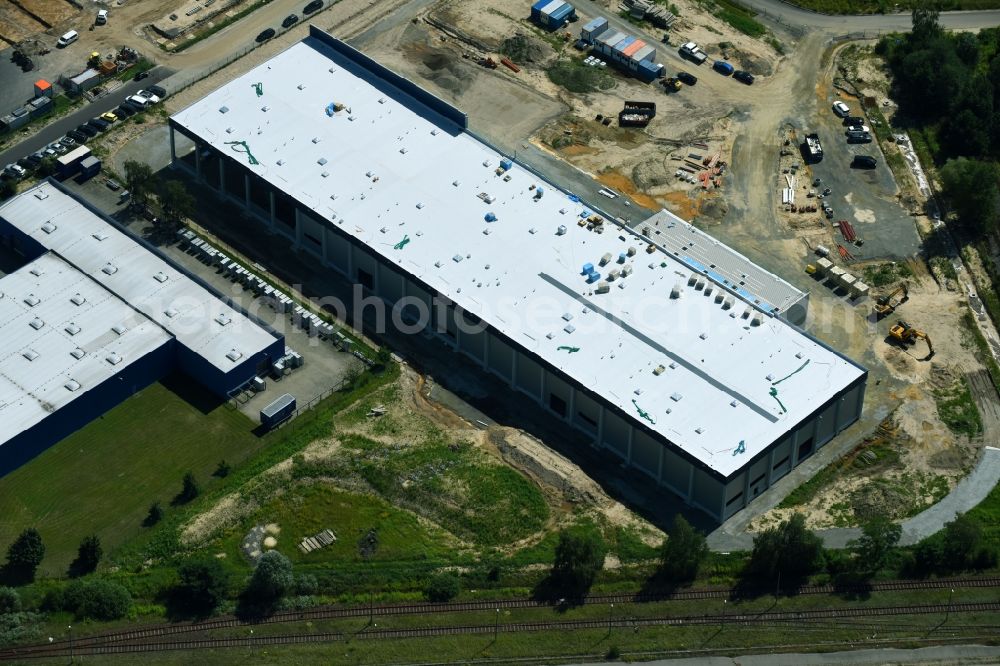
(789, 550)
(578, 559)
(154, 516)
(24, 555)
(443, 586)
(97, 600)
(683, 551)
(203, 584)
(272, 578)
(88, 556)
(10, 600)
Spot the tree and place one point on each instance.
(154, 516)
(924, 19)
(878, 537)
(176, 201)
(579, 557)
(10, 600)
(25, 554)
(189, 490)
(97, 599)
(222, 469)
(789, 550)
(203, 584)
(971, 188)
(47, 167)
(443, 586)
(88, 556)
(683, 551)
(138, 180)
(272, 578)
(8, 188)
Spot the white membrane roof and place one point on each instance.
(417, 190)
(59, 339)
(197, 318)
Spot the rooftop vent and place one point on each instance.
(100, 235)
(434, 132)
(316, 139)
(233, 355)
(325, 174)
(265, 108)
(41, 196)
(48, 227)
(659, 370)
(457, 258)
(113, 358)
(170, 312)
(230, 130)
(77, 353)
(37, 323)
(280, 162)
(321, 161)
(676, 397)
(381, 100)
(37, 272)
(223, 109)
(72, 328)
(733, 403)
(32, 300)
(109, 269)
(119, 329)
(699, 430)
(223, 319)
(420, 205)
(301, 86)
(29, 354)
(72, 385)
(567, 316)
(160, 277)
(569, 328)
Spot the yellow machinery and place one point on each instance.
(906, 335)
(886, 305)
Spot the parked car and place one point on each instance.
(745, 77)
(123, 111)
(140, 76)
(722, 67)
(158, 91)
(78, 136)
(312, 7)
(148, 96)
(853, 120)
(15, 171)
(133, 106)
(49, 153)
(265, 35)
(87, 129)
(102, 17)
(68, 39)
(687, 79)
(864, 162)
(841, 109)
(290, 20)
(140, 102)
(33, 160)
(57, 147)
(858, 128)
(109, 116)
(27, 163)
(68, 141)
(859, 137)
(99, 124)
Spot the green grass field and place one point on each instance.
(103, 478)
(885, 6)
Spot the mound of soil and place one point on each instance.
(522, 48)
(649, 174)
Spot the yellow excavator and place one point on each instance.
(887, 304)
(906, 336)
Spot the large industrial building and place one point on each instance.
(94, 316)
(660, 344)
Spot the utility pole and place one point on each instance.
(611, 610)
(496, 626)
(70, 628)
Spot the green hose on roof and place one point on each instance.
(774, 394)
(571, 350)
(740, 448)
(401, 244)
(800, 369)
(643, 413)
(258, 88)
(238, 145)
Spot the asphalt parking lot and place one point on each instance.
(864, 197)
(17, 87)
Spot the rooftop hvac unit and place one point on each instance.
(77, 353)
(699, 285)
(622, 257)
(691, 280)
(587, 268)
(561, 231)
(613, 274)
(675, 291)
(757, 320)
(626, 270)
(603, 288)
(234, 355)
(631, 251)
(593, 277)
(77, 299)
(490, 217)
(605, 259)
(728, 303)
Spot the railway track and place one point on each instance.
(741, 619)
(389, 610)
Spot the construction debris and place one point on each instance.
(317, 541)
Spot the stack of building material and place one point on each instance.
(644, 9)
(317, 541)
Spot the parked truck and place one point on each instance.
(636, 114)
(693, 52)
(278, 411)
(812, 148)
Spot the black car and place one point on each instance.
(266, 35)
(687, 79)
(745, 77)
(123, 111)
(87, 129)
(290, 20)
(859, 137)
(27, 164)
(853, 120)
(864, 162)
(78, 136)
(140, 76)
(158, 91)
(99, 124)
(312, 7)
(33, 160)
(132, 106)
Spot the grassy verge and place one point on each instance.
(103, 478)
(740, 17)
(984, 353)
(886, 6)
(958, 410)
(61, 105)
(880, 275)
(574, 76)
(143, 65)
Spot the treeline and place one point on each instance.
(948, 86)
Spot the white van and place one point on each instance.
(102, 17)
(68, 38)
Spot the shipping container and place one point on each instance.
(633, 48)
(69, 163)
(594, 29)
(90, 166)
(278, 411)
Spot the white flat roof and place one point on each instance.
(387, 170)
(199, 320)
(43, 331)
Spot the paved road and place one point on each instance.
(796, 16)
(944, 654)
(59, 128)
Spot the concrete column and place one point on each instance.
(860, 404)
(271, 218)
(770, 466)
(197, 159)
(486, 350)
(222, 175)
(793, 455)
(571, 415)
(628, 450)
(722, 503)
(600, 426)
(690, 493)
(246, 190)
(513, 367)
(173, 146)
